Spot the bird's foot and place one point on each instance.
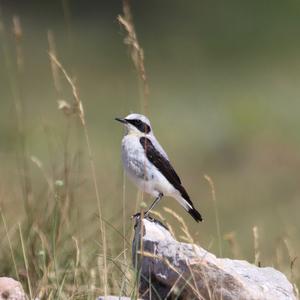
(138, 215)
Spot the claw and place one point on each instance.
(137, 215)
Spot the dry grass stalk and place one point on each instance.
(54, 68)
(80, 112)
(92, 281)
(157, 214)
(18, 33)
(233, 244)
(77, 105)
(256, 246)
(68, 19)
(40, 166)
(214, 199)
(9, 244)
(14, 80)
(75, 285)
(137, 56)
(188, 237)
(174, 288)
(136, 51)
(193, 276)
(292, 258)
(161, 217)
(26, 263)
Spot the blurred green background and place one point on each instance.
(224, 101)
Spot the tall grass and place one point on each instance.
(78, 109)
(55, 251)
(136, 53)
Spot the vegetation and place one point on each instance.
(222, 104)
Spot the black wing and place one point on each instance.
(164, 166)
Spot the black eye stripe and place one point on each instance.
(140, 125)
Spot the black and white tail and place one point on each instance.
(195, 214)
(161, 162)
(187, 204)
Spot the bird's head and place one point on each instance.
(136, 124)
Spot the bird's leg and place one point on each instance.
(153, 204)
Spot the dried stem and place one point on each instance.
(137, 53)
(26, 262)
(78, 108)
(187, 235)
(19, 106)
(54, 68)
(14, 79)
(256, 246)
(9, 244)
(214, 199)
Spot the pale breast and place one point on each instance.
(141, 171)
(134, 160)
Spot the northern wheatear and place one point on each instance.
(148, 166)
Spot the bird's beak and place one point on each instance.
(121, 120)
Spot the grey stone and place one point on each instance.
(174, 270)
(11, 289)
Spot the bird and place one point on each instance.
(147, 164)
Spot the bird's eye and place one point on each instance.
(140, 125)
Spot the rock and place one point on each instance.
(175, 270)
(11, 289)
